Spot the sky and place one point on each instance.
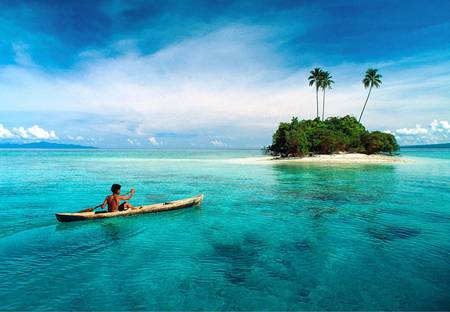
(217, 74)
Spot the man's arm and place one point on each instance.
(105, 202)
(132, 191)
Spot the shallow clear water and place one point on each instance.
(271, 237)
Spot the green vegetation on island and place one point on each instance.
(346, 134)
(334, 134)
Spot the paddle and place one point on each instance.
(90, 209)
(98, 206)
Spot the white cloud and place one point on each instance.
(21, 132)
(440, 126)
(37, 132)
(436, 132)
(5, 133)
(33, 133)
(445, 124)
(153, 141)
(412, 131)
(218, 143)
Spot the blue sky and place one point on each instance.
(217, 73)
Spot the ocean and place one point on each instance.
(267, 236)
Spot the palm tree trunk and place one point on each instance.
(364, 107)
(317, 101)
(323, 104)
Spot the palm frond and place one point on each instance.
(315, 77)
(372, 78)
(325, 80)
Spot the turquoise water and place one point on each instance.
(267, 237)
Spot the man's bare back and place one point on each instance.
(113, 201)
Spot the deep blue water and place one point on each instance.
(267, 237)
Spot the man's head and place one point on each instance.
(115, 188)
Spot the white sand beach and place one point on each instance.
(341, 158)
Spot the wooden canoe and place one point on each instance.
(173, 205)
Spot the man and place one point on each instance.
(113, 201)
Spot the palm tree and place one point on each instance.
(314, 79)
(325, 82)
(371, 79)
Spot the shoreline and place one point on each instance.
(342, 158)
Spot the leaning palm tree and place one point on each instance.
(325, 83)
(371, 79)
(314, 80)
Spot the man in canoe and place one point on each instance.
(113, 201)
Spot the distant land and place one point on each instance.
(441, 145)
(45, 145)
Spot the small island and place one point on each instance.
(333, 139)
(300, 138)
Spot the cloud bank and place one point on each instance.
(438, 131)
(32, 133)
(225, 83)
